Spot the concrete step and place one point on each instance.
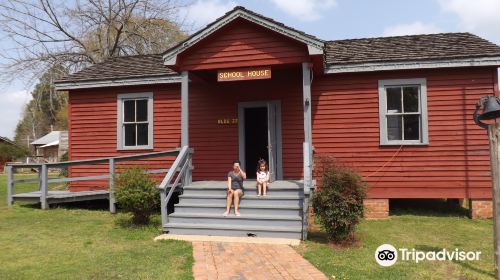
(234, 230)
(218, 208)
(231, 219)
(222, 190)
(246, 200)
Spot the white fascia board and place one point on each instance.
(314, 46)
(118, 82)
(408, 65)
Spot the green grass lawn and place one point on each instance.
(83, 243)
(422, 229)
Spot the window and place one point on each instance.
(403, 112)
(135, 121)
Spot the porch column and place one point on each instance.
(307, 146)
(184, 108)
(308, 155)
(306, 89)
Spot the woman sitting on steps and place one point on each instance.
(235, 189)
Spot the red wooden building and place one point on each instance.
(398, 109)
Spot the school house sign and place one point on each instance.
(239, 74)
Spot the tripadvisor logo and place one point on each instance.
(387, 255)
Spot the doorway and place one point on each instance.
(260, 136)
(256, 138)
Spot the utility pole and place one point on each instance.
(494, 138)
(491, 111)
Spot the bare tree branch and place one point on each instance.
(44, 33)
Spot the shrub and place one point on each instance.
(338, 203)
(64, 171)
(136, 192)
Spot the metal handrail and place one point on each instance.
(183, 161)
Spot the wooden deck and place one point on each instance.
(62, 196)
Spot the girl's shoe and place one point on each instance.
(265, 194)
(237, 214)
(259, 194)
(225, 214)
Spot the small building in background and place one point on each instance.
(3, 158)
(50, 147)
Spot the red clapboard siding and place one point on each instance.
(455, 164)
(242, 43)
(216, 146)
(93, 132)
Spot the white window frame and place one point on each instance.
(382, 97)
(120, 117)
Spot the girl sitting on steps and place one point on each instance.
(262, 177)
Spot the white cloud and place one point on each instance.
(11, 108)
(203, 12)
(305, 10)
(416, 27)
(481, 17)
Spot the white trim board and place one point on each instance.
(406, 65)
(422, 110)
(120, 137)
(118, 82)
(314, 46)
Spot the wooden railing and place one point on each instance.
(44, 180)
(180, 174)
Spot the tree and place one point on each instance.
(45, 112)
(45, 34)
(10, 152)
(52, 39)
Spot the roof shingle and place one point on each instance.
(440, 46)
(136, 66)
(408, 48)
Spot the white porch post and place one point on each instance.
(306, 92)
(307, 147)
(306, 85)
(185, 121)
(184, 108)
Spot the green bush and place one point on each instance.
(64, 171)
(136, 192)
(338, 203)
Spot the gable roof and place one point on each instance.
(351, 55)
(315, 46)
(6, 140)
(48, 138)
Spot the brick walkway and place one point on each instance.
(221, 260)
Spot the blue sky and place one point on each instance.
(326, 19)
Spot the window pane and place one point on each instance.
(129, 110)
(142, 110)
(410, 99)
(412, 127)
(393, 100)
(142, 134)
(129, 134)
(394, 128)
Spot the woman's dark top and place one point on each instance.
(236, 180)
